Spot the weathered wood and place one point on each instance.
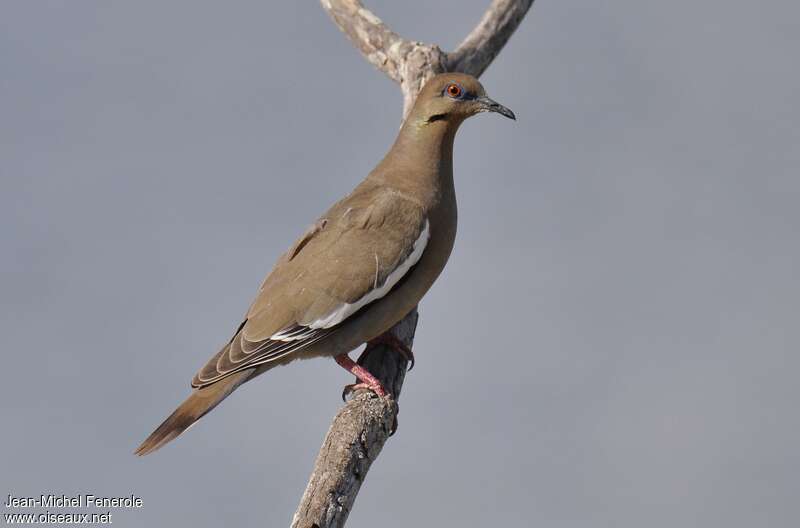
(408, 63)
(360, 428)
(484, 43)
(356, 437)
(411, 63)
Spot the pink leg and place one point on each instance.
(367, 380)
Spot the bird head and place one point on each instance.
(453, 97)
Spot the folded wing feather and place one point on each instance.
(361, 248)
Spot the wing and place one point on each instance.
(352, 256)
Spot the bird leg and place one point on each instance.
(366, 380)
(392, 342)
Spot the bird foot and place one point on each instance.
(366, 380)
(349, 389)
(398, 346)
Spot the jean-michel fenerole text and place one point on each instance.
(84, 500)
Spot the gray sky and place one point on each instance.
(613, 344)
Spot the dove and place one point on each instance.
(360, 268)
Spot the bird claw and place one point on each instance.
(395, 344)
(365, 379)
(349, 389)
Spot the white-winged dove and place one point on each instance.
(360, 268)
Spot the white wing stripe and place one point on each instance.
(291, 334)
(347, 309)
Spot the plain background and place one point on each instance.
(614, 342)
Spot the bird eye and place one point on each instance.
(453, 90)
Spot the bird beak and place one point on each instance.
(490, 105)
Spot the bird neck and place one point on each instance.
(421, 159)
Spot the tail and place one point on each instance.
(192, 409)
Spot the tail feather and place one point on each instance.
(192, 409)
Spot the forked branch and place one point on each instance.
(363, 425)
(411, 63)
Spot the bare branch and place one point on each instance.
(483, 44)
(362, 426)
(355, 438)
(406, 62)
(380, 45)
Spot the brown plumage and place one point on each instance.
(361, 267)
